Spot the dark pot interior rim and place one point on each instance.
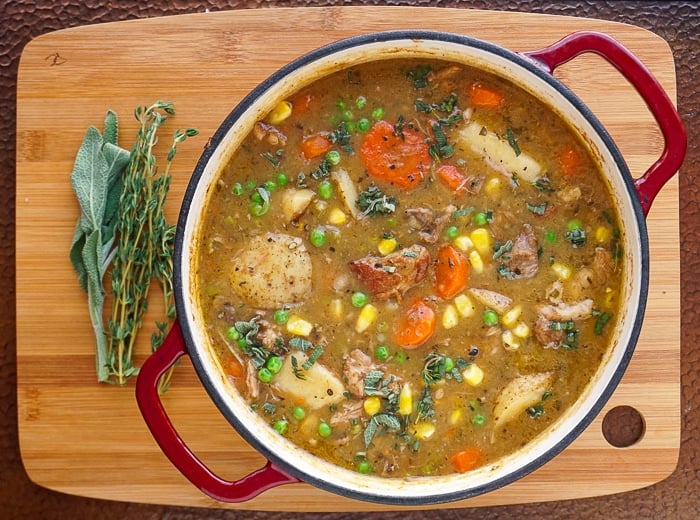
(326, 51)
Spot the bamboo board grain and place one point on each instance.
(87, 439)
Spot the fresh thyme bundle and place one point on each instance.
(122, 225)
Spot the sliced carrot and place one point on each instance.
(451, 176)
(301, 101)
(570, 162)
(451, 272)
(466, 460)
(235, 369)
(315, 146)
(416, 326)
(397, 157)
(484, 97)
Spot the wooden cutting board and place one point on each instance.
(79, 437)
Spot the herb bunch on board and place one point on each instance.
(138, 243)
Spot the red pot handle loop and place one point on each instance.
(173, 446)
(651, 91)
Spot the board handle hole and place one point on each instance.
(623, 426)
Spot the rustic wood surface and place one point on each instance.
(82, 438)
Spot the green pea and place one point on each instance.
(258, 210)
(318, 237)
(250, 185)
(550, 236)
(281, 179)
(274, 364)
(359, 299)
(363, 125)
(449, 364)
(400, 357)
(280, 316)
(347, 115)
(242, 343)
(341, 104)
(233, 334)
(281, 426)
(324, 429)
(478, 419)
(325, 190)
(361, 102)
(364, 467)
(490, 317)
(350, 126)
(480, 218)
(298, 413)
(237, 189)
(451, 232)
(333, 157)
(381, 352)
(377, 113)
(265, 375)
(270, 185)
(256, 197)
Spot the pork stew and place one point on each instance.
(410, 268)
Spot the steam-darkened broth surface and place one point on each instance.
(410, 268)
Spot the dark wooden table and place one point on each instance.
(676, 22)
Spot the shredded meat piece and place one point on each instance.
(251, 380)
(428, 225)
(350, 410)
(270, 133)
(268, 336)
(524, 260)
(356, 366)
(603, 264)
(544, 333)
(565, 311)
(394, 274)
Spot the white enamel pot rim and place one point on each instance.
(288, 463)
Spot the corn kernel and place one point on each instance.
(482, 241)
(511, 317)
(493, 185)
(509, 341)
(372, 405)
(450, 318)
(455, 416)
(463, 243)
(299, 326)
(476, 262)
(337, 217)
(405, 400)
(562, 271)
(473, 375)
(281, 112)
(387, 245)
(521, 330)
(336, 308)
(609, 297)
(423, 430)
(602, 234)
(464, 305)
(366, 318)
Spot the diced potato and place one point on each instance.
(271, 270)
(498, 153)
(336, 308)
(299, 326)
(450, 318)
(509, 341)
(473, 375)
(465, 306)
(521, 330)
(295, 201)
(497, 301)
(319, 388)
(519, 394)
(347, 191)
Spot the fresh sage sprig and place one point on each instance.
(96, 180)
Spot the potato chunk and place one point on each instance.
(271, 270)
(498, 153)
(521, 393)
(295, 201)
(320, 387)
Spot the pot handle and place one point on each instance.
(651, 91)
(173, 446)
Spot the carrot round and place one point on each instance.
(453, 179)
(400, 157)
(484, 97)
(451, 272)
(466, 460)
(315, 146)
(570, 162)
(416, 326)
(235, 369)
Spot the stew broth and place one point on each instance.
(410, 268)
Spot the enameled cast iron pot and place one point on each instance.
(288, 463)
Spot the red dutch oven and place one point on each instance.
(287, 463)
